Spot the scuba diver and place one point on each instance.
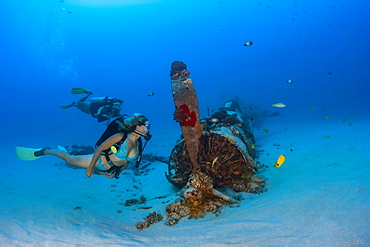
(111, 157)
(101, 108)
(231, 113)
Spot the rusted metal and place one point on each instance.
(187, 110)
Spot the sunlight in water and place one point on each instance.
(111, 3)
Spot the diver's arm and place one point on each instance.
(102, 113)
(105, 145)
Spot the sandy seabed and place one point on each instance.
(319, 197)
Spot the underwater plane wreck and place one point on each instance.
(212, 153)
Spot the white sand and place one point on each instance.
(319, 197)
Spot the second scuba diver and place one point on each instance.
(101, 108)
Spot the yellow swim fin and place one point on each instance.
(27, 153)
(80, 90)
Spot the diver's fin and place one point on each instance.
(67, 106)
(27, 153)
(80, 90)
(30, 153)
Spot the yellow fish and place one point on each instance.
(265, 130)
(327, 137)
(279, 105)
(280, 161)
(292, 144)
(326, 117)
(253, 146)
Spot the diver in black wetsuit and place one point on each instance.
(101, 108)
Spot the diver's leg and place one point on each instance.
(82, 161)
(83, 99)
(68, 106)
(83, 106)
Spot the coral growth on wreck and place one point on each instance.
(199, 198)
(184, 116)
(177, 67)
(221, 160)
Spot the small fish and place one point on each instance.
(344, 120)
(292, 144)
(279, 105)
(280, 161)
(253, 146)
(144, 207)
(247, 174)
(326, 117)
(151, 94)
(236, 172)
(265, 130)
(350, 124)
(327, 137)
(290, 81)
(313, 109)
(248, 43)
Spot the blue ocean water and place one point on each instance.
(125, 48)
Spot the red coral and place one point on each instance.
(184, 116)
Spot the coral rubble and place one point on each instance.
(199, 197)
(152, 218)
